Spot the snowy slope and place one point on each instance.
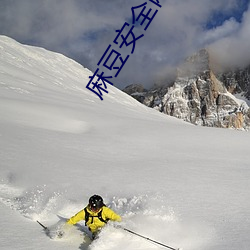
(182, 185)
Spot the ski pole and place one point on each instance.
(45, 228)
(146, 238)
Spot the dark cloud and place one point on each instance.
(83, 29)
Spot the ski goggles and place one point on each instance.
(94, 208)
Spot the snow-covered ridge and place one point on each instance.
(35, 66)
(38, 75)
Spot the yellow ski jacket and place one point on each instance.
(94, 223)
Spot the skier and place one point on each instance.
(95, 214)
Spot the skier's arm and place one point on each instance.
(77, 217)
(110, 214)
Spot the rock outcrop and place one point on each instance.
(201, 97)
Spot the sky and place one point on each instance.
(83, 30)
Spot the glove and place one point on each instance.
(60, 234)
(62, 229)
(118, 226)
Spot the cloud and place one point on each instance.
(233, 49)
(83, 29)
(228, 28)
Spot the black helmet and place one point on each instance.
(96, 202)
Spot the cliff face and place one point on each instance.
(201, 97)
(237, 81)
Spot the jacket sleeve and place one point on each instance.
(77, 217)
(111, 215)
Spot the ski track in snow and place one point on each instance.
(43, 117)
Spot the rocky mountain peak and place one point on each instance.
(196, 64)
(202, 97)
